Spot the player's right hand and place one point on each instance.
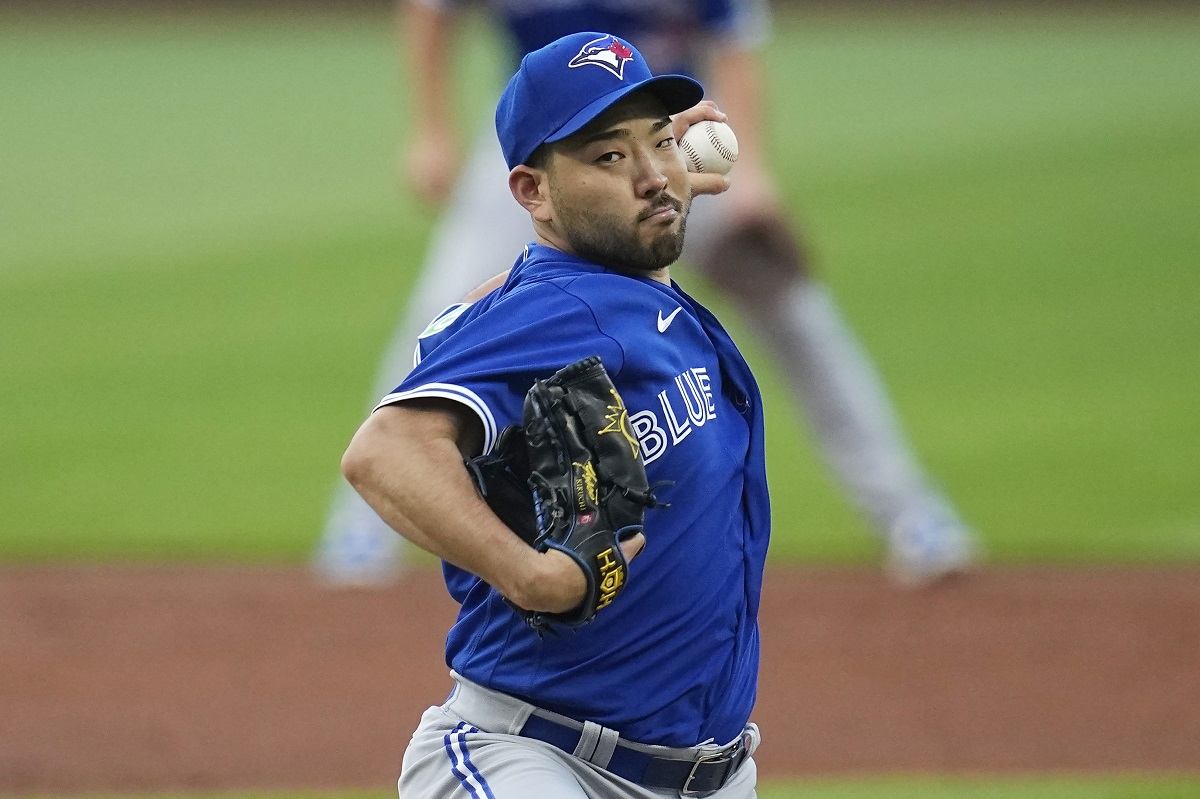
(701, 182)
(430, 163)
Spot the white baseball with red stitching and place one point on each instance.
(709, 147)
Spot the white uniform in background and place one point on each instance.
(751, 256)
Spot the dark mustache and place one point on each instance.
(660, 202)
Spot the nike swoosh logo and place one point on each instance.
(663, 324)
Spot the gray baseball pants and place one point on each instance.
(468, 748)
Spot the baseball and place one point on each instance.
(709, 147)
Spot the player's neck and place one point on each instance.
(660, 275)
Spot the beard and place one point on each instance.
(607, 239)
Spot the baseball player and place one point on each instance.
(742, 245)
(652, 697)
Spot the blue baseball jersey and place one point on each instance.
(674, 660)
(673, 35)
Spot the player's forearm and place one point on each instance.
(410, 472)
(407, 465)
(738, 85)
(425, 38)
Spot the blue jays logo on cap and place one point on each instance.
(553, 95)
(608, 52)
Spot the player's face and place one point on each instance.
(619, 188)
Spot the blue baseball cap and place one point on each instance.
(562, 87)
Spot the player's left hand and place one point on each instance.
(560, 585)
(704, 182)
(569, 481)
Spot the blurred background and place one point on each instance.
(204, 244)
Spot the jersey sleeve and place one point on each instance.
(488, 361)
(437, 330)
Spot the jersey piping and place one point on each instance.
(459, 394)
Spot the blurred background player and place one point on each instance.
(748, 252)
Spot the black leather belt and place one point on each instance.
(701, 776)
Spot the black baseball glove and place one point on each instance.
(571, 478)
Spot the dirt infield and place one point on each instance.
(154, 679)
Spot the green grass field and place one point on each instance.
(203, 247)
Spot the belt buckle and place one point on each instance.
(719, 756)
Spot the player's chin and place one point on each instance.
(664, 248)
(656, 227)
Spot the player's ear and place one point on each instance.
(530, 187)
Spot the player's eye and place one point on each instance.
(667, 143)
(609, 158)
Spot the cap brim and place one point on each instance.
(677, 93)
